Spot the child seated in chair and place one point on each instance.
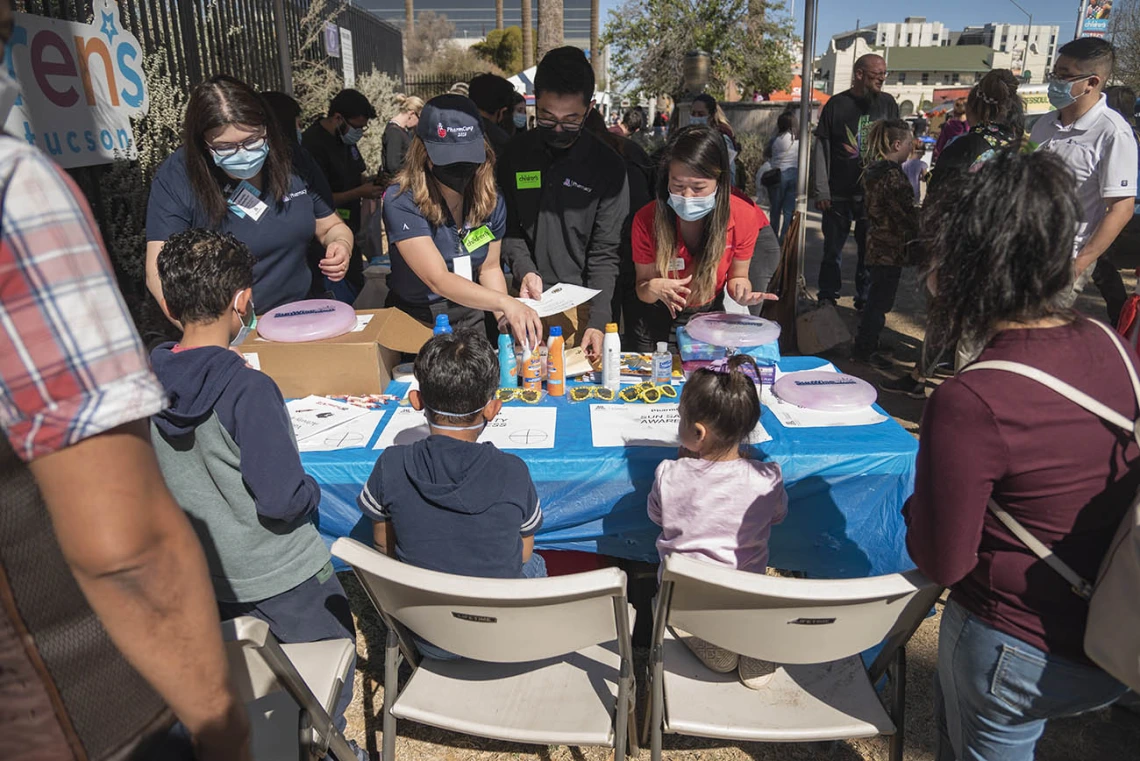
(716, 503)
(448, 503)
(227, 452)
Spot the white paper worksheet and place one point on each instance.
(316, 414)
(513, 428)
(644, 425)
(354, 434)
(559, 298)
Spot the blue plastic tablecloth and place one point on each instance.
(846, 488)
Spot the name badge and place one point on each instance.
(245, 202)
(478, 238)
(677, 265)
(528, 180)
(461, 265)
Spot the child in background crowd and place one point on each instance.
(916, 168)
(227, 452)
(893, 221)
(447, 503)
(716, 503)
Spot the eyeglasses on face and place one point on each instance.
(228, 149)
(548, 123)
(1053, 76)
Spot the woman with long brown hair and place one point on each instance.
(233, 174)
(445, 220)
(694, 243)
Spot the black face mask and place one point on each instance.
(455, 176)
(559, 141)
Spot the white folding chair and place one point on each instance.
(813, 629)
(290, 691)
(543, 661)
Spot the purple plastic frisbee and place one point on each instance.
(821, 390)
(733, 330)
(309, 320)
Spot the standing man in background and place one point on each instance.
(494, 97)
(567, 197)
(1099, 148)
(332, 142)
(843, 125)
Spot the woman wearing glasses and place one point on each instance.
(233, 174)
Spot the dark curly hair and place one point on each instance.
(994, 100)
(201, 270)
(1000, 245)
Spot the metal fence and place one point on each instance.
(432, 85)
(239, 37)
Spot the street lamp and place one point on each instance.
(1028, 33)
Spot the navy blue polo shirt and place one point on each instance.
(404, 220)
(278, 240)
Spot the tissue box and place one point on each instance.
(692, 350)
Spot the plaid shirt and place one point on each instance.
(71, 364)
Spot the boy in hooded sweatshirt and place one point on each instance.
(227, 452)
(448, 503)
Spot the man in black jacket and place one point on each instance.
(838, 166)
(567, 197)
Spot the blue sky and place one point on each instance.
(840, 15)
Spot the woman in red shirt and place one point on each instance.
(694, 242)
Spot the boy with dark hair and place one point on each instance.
(567, 199)
(448, 503)
(227, 452)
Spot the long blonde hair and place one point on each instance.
(479, 198)
(702, 150)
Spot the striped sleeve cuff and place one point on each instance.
(534, 522)
(370, 506)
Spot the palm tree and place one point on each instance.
(549, 26)
(527, 35)
(498, 14)
(595, 48)
(409, 17)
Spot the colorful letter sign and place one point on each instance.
(80, 85)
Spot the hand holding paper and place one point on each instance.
(558, 298)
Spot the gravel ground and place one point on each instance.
(1107, 734)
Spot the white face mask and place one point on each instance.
(475, 427)
(692, 209)
(9, 91)
(246, 327)
(698, 120)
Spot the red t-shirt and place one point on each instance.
(744, 223)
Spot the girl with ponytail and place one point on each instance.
(717, 503)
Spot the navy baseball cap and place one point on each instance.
(452, 131)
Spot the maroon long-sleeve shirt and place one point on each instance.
(1062, 472)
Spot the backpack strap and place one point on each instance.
(1080, 585)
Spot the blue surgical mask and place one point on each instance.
(519, 120)
(244, 164)
(1061, 93)
(248, 323)
(692, 209)
(698, 120)
(352, 135)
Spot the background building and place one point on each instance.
(1034, 48)
(914, 31)
(474, 18)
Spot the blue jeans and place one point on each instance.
(836, 227)
(783, 197)
(535, 568)
(993, 693)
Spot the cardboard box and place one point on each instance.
(356, 363)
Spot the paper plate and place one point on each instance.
(821, 390)
(309, 320)
(733, 330)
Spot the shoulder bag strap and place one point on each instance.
(1080, 585)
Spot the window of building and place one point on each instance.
(934, 38)
(925, 78)
(909, 39)
(902, 77)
